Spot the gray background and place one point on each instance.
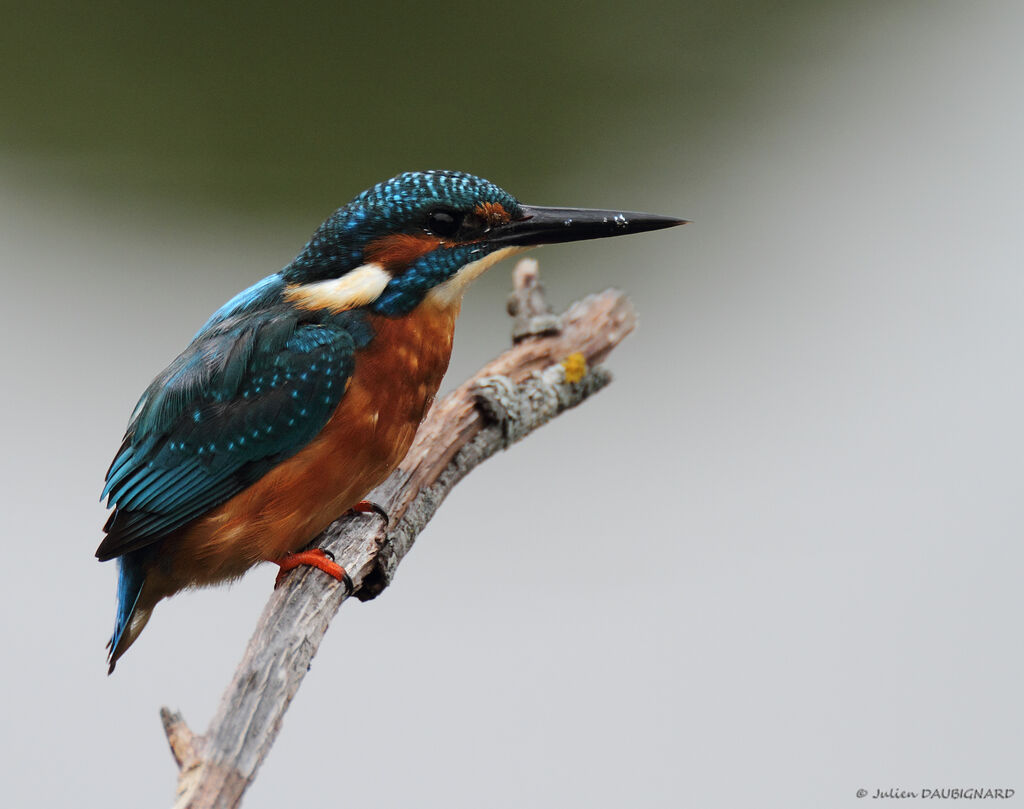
(777, 561)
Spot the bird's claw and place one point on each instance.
(369, 507)
(315, 557)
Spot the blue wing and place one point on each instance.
(252, 389)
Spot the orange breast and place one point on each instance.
(387, 396)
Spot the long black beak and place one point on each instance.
(553, 225)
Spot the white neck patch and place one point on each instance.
(359, 287)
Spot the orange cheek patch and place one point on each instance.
(399, 250)
(493, 213)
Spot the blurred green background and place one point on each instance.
(776, 562)
(276, 109)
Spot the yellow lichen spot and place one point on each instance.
(575, 366)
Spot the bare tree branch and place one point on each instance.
(527, 305)
(549, 370)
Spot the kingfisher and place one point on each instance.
(304, 391)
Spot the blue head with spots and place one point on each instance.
(421, 230)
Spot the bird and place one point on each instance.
(303, 392)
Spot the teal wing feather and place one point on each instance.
(251, 390)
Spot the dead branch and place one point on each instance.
(549, 370)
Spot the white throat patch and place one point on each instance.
(359, 287)
(452, 290)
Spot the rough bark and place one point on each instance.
(551, 368)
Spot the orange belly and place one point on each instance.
(387, 396)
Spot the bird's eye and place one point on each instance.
(444, 223)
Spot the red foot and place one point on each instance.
(369, 507)
(317, 558)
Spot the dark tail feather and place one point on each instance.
(130, 619)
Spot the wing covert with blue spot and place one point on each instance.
(248, 393)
